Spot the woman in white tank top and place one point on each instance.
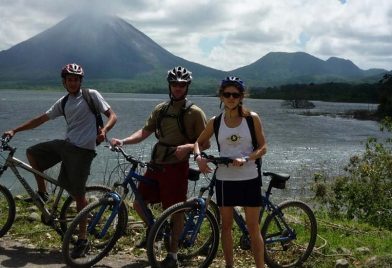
(238, 184)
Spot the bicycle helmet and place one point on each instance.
(234, 81)
(179, 74)
(72, 68)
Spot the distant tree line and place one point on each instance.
(336, 92)
(380, 93)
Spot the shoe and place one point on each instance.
(169, 262)
(143, 242)
(44, 197)
(80, 249)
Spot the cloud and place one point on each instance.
(227, 34)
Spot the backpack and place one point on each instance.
(180, 118)
(93, 108)
(249, 121)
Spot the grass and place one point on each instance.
(337, 239)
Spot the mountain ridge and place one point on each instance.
(110, 48)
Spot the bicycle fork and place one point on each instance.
(191, 228)
(117, 202)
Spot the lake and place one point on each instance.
(297, 144)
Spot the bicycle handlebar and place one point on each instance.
(133, 160)
(217, 160)
(5, 139)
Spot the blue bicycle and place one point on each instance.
(108, 217)
(289, 229)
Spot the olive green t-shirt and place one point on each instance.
(194, 123)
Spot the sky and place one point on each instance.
(227, 34)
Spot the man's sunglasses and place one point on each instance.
(228, 94)
(178, 84)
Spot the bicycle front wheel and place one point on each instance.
(68, 210)
(199, 252)
(7, 210)
(289, 235)
(102, 234)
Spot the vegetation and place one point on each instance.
(338, 92)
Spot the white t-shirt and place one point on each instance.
(234, 143)
(81, 123)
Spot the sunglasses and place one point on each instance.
(228, 94)
(178, 84)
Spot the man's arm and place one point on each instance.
(33, 123)
(136, 137)
(112, 119)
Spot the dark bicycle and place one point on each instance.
(289, 229)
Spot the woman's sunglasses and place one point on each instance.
(228, 94)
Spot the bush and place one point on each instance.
(365, 193)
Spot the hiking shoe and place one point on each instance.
(169, 262)
(44, 197)
(82, 246)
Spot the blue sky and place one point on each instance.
(227, 34)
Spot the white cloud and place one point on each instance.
(229, 34)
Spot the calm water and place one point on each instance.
(297, 144)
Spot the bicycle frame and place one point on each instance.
(118, 199)
(14, 163)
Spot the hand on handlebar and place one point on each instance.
(202, 163)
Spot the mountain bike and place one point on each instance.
(52, 215)
(289, 229)
(108, 217)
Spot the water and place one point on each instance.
(297, 144)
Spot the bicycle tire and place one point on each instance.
(99, 246)
(7, 210)
(199, 254)
(68, 210)
(294, 251)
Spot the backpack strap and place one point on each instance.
(93, 107)
(255, 144)
(216, 124)
(63, 102)
(180, 119)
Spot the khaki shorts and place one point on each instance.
(75, 163)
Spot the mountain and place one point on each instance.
(278, 68)
(106, 46)
(116, 55)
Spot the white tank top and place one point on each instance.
(235, 142)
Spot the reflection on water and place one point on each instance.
(297, 144)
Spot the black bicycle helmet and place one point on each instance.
(235, 81)
(72, 68)
(179, 74)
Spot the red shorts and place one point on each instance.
(172, 185)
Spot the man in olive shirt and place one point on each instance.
(177, 124)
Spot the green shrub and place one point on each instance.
(365, 193)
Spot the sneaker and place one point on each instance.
(169, 262)
(80, 249)
(44, 197)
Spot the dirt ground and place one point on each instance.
(16, 253)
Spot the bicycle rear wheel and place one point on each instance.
(101, 240)
(68, 210)
(199, 253)
(289, 237)
(7, 210)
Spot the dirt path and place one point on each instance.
(19, 254)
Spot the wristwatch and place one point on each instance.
(195, 156)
